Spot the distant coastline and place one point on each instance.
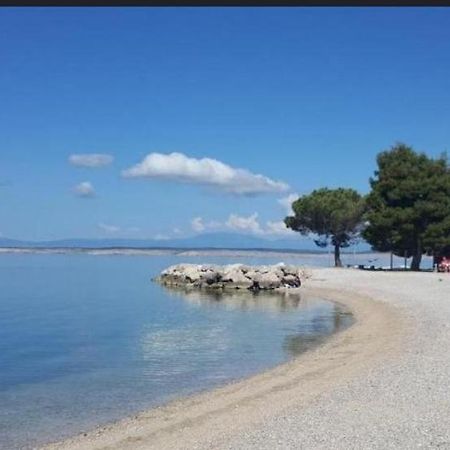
(216, 241)
(156, 251)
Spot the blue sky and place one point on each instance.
(305, 97)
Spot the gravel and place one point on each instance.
(400, 404)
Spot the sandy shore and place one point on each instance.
(383, 383)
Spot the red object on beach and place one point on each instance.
(444, 265)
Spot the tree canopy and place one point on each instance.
(409, 205)
(335, 215)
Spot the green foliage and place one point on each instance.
(333, 214)
(437, 238)
(409, 203)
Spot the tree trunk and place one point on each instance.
(337, 256)
(417, 257)
(435, 262)
(415, 263)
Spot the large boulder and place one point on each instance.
(290, 281)
(210, 276)
(254, 274)
(191, 274)
(236, 279)
(269, 280)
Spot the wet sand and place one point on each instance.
(238, 414)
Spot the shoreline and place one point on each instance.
(214, 416)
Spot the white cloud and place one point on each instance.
(205, 171)
(84, 189)
(278, 228)
(109, 228)
(286, 202)
(197, 224)
(244, 224)
(91, 160)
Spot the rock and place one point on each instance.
(191, 274)
(235, 278)
(269, 280)
(291, 280)
(232, 276)
(210, 277)
(254, 274)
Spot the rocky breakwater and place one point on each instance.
(233, 276)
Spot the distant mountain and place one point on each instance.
(5, 242)
(207, 240)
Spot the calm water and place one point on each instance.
(89, 339)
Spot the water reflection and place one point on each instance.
(315, 319)
(241, 300)
(313, 332)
